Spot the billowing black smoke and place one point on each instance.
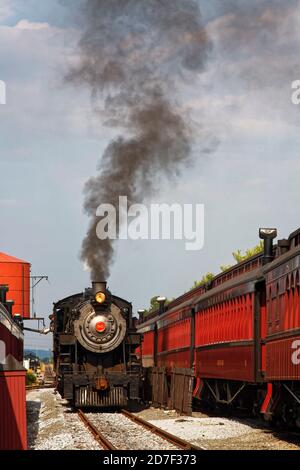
(136, 54)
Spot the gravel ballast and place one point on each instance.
(52, 425)
(222, 433)
(127, 435)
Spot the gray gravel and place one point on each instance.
(53, 426)
(222, 433)
(127, 435)
(204, 428)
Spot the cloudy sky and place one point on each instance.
(51, 140)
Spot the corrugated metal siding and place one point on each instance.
(231, 320)
(230, 363)
(148, 344)
(13, 432)
(174, 336)
(179, 359)
(279, 359)
(146, 350)
(283, 310)
(283, 319)
(283, 294)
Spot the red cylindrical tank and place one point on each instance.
(16, 274)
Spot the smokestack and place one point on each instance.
(268, 235)
(98, 286)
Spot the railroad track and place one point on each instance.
(39, 387)
(96, 433)
(48, 382)
(177, 442)
(49, 376)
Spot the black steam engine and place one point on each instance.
(94, 349)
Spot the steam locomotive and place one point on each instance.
(94, 349)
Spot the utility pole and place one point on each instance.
(35, 280)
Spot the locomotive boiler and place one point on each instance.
(94, 349)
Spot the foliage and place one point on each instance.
(154, 305)
(30, 378)
(239, 256)
(225, 267)
(208, 277)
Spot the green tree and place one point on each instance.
(239, 256)
(225, 267)
(208, 277)
(30, 378)
(154, 305)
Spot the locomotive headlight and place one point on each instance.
(100, 326)
(100, 297)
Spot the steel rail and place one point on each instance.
(177, 441)
(107, 445)
(96, 433)
(38, 387)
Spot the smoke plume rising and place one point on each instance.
(135, 55)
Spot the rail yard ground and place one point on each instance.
(53, 425)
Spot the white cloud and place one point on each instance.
(25, 24)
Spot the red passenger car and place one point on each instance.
(239, 335)
(174, 330)
(225, 336)
(148, 329)
(283, 330)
